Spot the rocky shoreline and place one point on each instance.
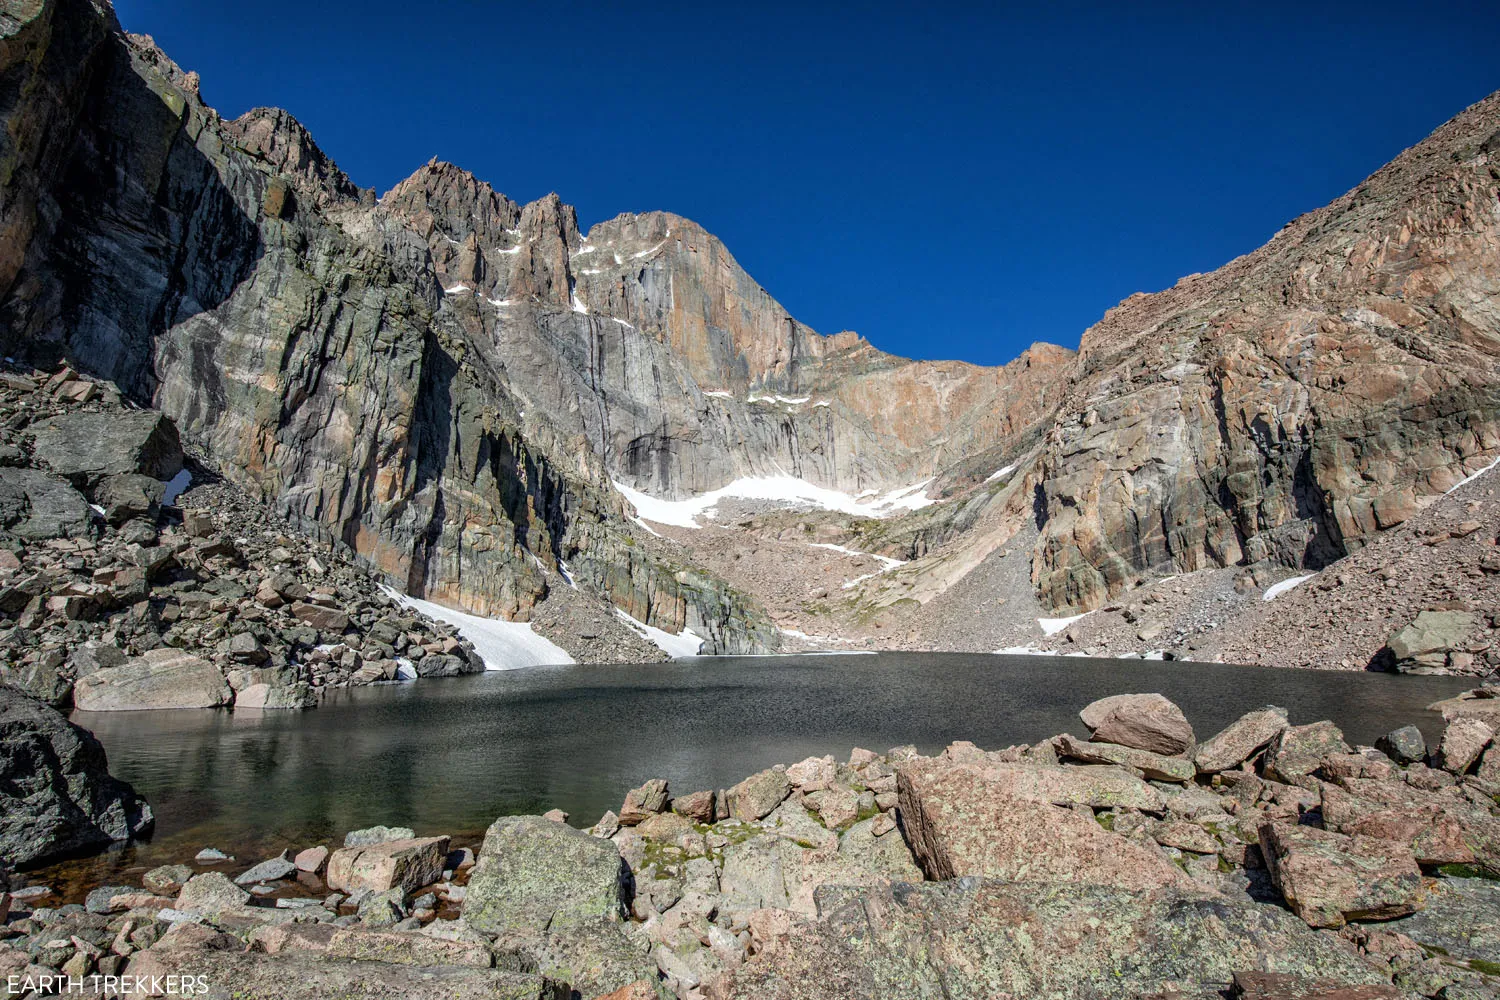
(1270, 860)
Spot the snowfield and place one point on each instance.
(685, 643)
(501, 644)
(1277, 589)
(786, 489)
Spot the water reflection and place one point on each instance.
(449, 756)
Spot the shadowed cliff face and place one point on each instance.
(447, 381)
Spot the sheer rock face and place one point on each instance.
(1295, 401)
(447, 382)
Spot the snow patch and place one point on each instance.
(718, 394)
(821, 402)
(577, 304)
(1052, 626)
(501, 644)
(886, 561)
(788, 489)
(683, 644)
(647, 253)
(176, 486)
(1275, 590)
(580, 253)
(501, 303)
(1000, 473)
(456, 289)
(1471, 477)
(797, 401)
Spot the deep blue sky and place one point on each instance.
(948, 182)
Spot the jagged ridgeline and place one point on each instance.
(449, 383)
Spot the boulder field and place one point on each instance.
(1269, 861)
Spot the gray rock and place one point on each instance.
(1239, 741)
(266, 871)
(85, 447)
(377, 835)
(128, 496)
(758, 794)
(167, 878)
(1404, 746)
(57, 796)
(534, 875)
(1431, 632)
(34, 506)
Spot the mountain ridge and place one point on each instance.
(449, 382)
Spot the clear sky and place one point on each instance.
(950, 180)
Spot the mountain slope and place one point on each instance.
(458, 387)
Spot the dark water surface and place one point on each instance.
(448, 756)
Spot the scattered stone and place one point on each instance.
(311, 860)
(1154, 766)
(1297, 751)
(267, 871)
(210, 893)
(644, 801)
(167, 879)
(1464, 740)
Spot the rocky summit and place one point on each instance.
(491, 407)
(266, 435)
(1272, 860)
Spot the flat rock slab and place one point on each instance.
(1286, 986)
(534, 874)
(1462, 917)
(405, 864)
(1329, 878)
(248, 976)
(1152, 765)
(1239, 740)
(406, 948)
(160, 678)
(1000, 822)
(984, 938)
